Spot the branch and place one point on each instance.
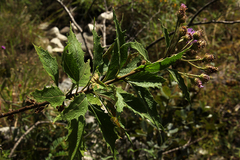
(35, 105)
(189, 24)
(200, 10)
(184, 146)
(78, 27)
(213, 21)
(29, 130)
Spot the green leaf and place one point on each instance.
(107, 128)
(166, 36)
(77, 108)
(122, 50)
(97, 51)
(145, 97)
(132, 61)
(49, 63)
(177, 77)
(75, 138)
(140, 48)
(146, 79)
(114, 65)
(53, 95)
(120, 53)
(165, 63)
(73, 61)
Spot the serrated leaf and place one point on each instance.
(107, 128)
(93, 99)
(140, 48)
(73, 61)
(49, 63)
(147, 100)
(178, 78)
(114, 65)
(166, 36)
(97, 51)
(53, 95)
(132, 64)
(77, 108)
(120, 53)
(123, 53)
(165, 63)
(74, 138)
(146, 79)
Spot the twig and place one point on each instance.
(200, 10)
(184, 146)
(21, 138)
(189, 24)
(104, 25)
(78, 27)
(36, 105)
(214, 21)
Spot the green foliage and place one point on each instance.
(53, 95)
(112, 98)
(49, 63)
(73, 61)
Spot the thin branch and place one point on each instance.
(184, 146)
(213, 21)
(200, 10)
(78, 27)
(21, 138)
(35, 105)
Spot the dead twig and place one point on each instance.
(78, 27)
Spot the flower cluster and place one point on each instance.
(189, 37)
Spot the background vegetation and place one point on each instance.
(208, 129)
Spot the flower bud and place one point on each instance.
(182, 31)
(182, 11)
(198, 34)
(201, 43)
(198, 82)
(208, 57)
(211, 69)
(204, 77)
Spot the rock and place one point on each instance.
(49, 48)
(65, 30)
(44, 26)
(105, 15)
(53, 31)
(61, 37)
(56, 43)
(88, 38)
(59, 50)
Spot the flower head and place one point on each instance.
(198, 82)
(182, 13)
(211, 69)
(3, 47)
(208, 57)
(204, 77)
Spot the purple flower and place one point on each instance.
(183, 7)
(198, 82)
(3, 47)
(190, 31)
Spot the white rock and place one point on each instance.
(53, 31)
(57, 49)
(61, 37)
(105, 15)
(56, 43)
(43, 26)
(65, 30)
(88, 38)
(49, 49)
